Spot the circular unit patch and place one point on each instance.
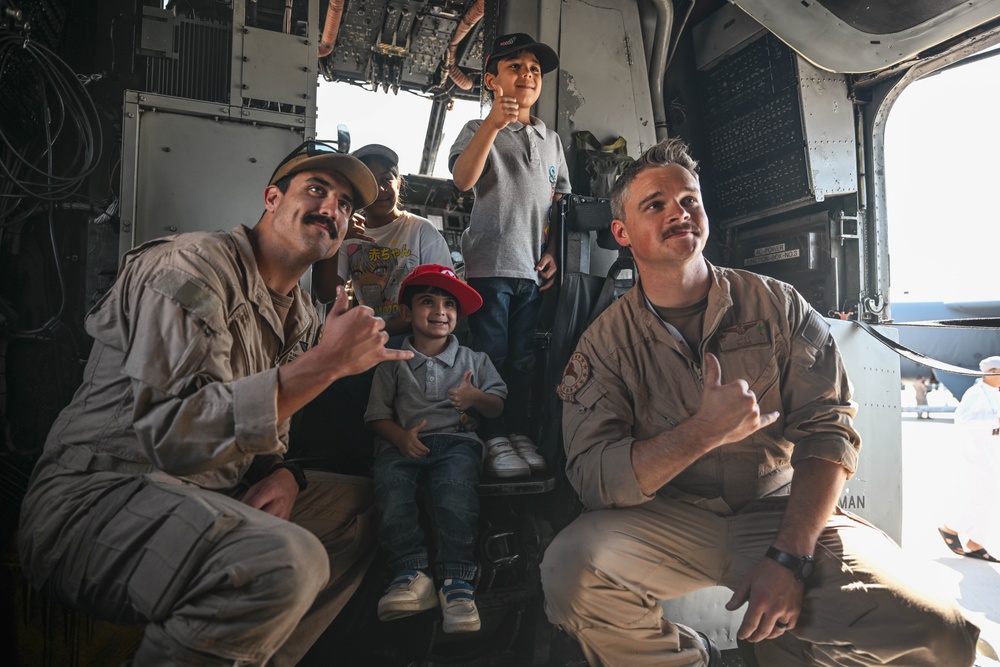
(574, 377)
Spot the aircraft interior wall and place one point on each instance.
(775, 208)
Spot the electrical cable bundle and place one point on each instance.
(68, 135)
(70, 130)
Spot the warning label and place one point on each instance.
(772, 257)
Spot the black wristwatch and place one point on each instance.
(300, 477)
(801, 566)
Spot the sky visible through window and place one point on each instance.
(942, 141)
(397, 121)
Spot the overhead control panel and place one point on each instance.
(396, 44)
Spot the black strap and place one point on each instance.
(912, 355)
(621, 278)
(986, 323)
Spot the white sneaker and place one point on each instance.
(502, 460)
(410, 592)
(526, 449)
(458, 606)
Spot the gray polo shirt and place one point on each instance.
(412, 390)
(526, 167)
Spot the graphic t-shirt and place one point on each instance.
(377, 269)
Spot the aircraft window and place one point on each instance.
(398, 121)
(941, 143)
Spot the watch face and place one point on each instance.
(806, 569)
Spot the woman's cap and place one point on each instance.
(325, 157)
(518, 41)
(989, 363)
(379, 151)
(436, 275)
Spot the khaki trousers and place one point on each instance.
(605, 573)
(215, 581)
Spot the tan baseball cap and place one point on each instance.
(326, 157)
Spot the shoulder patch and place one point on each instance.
(816, 330)
(574, 377)
(192, 295)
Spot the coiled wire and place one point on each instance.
(70, 140)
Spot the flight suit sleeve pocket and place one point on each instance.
(172, 336)
(193, 296)
(810, 341)
(590, 394)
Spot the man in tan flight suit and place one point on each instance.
(161, 497)
(708, 430)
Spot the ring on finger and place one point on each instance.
(779, 624)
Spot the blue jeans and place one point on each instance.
(452, 470)
(504, 328)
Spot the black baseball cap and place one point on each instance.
(377, 150)
(518, 41)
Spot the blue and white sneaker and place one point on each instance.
(411, 592)
(458, 606)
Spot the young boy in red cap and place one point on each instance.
(424, 412)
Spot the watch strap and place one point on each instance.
(794, 563)
(300, 476)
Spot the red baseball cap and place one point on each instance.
(436, 275)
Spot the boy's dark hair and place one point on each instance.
(506, 47)
(411, 291)
(493, 66)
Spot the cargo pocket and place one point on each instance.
(849, 591)
(155, 544)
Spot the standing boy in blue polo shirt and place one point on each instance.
(424, 415)
(517, 170)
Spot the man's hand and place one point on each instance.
(504, 109)
(354, 339)
(275, 494)
(728, 412)
(356, 229)
(775, 597)
(546, 268)
(409, 445)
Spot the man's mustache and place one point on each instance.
(317, 218)
(677, 229)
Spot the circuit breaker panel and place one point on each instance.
(780, 130)
(782, 160)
